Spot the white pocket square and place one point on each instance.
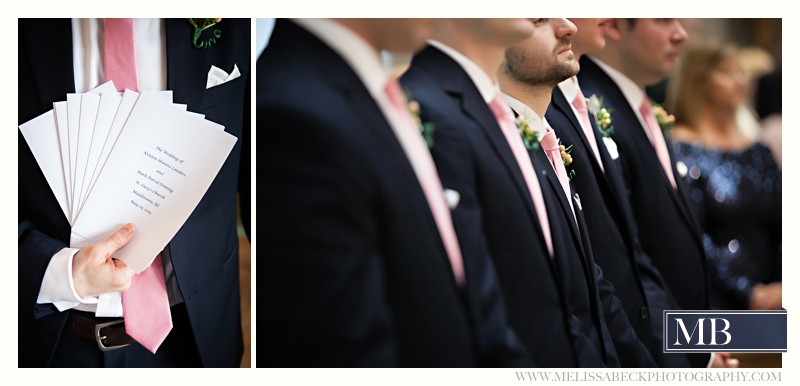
(452, 197)
(218, 76)
(612, 147)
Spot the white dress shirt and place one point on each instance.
(151, 67)
(535, 122)
(150, 42)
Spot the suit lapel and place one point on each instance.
(683, 201)
(481, 114)
(561, 104)
(675, 194)
(187, 67)
(49, 43)
(616, 184)
(555, 186)
(456, 82)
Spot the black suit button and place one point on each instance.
(645, 312)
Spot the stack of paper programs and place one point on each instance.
(114, 158)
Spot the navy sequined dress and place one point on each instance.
(737, 197)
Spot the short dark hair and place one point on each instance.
(631, 23)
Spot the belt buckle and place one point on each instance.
(99, 338)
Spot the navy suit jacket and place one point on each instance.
(667, 228)
(551, 303)
(612, 231)
(205, 251)
(354, 272)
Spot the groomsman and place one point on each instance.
(608, 213)
(507, 195)
(639, 53)
(361, 262)
(531, 70)
(197, 274)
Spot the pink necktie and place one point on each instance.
(550, 145)
(119, 58)
(145, 307)
(583, 115)
(504, 118)
(657, 138)
(428, 179)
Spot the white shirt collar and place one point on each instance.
(485, 84)
(534, 121)
(364, 59)
(570, 88)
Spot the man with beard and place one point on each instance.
(609, 218)
(532, 70)
(507, 197)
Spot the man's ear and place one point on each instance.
(612, 29)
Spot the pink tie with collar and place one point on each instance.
(145, 305)
(505, 119)
(583, 115)
(551, 148)
(429, 180)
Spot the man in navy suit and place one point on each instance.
(200, 262)
(358, 263)
(609, 218)
(507, 196)
(638, 53)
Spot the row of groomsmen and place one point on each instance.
(482, 211)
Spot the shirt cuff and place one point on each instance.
(57, 285)
(711, 360)
(109, 305)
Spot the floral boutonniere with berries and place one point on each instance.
(426, 128)
(602, 116)
(566, 158)
(528, 135)
(201, 25)
(664, 119)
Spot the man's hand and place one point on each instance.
(724, 360)
(94, 272)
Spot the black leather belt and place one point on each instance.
(109, 335)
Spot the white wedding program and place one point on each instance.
(127, 158)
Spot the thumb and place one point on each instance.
(119, 239)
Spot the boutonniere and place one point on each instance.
(664, 119)
(602, 116)
(528, 135)
(566, 158)
(426, 128)
(201, 25)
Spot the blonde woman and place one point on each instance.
(733, 181)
